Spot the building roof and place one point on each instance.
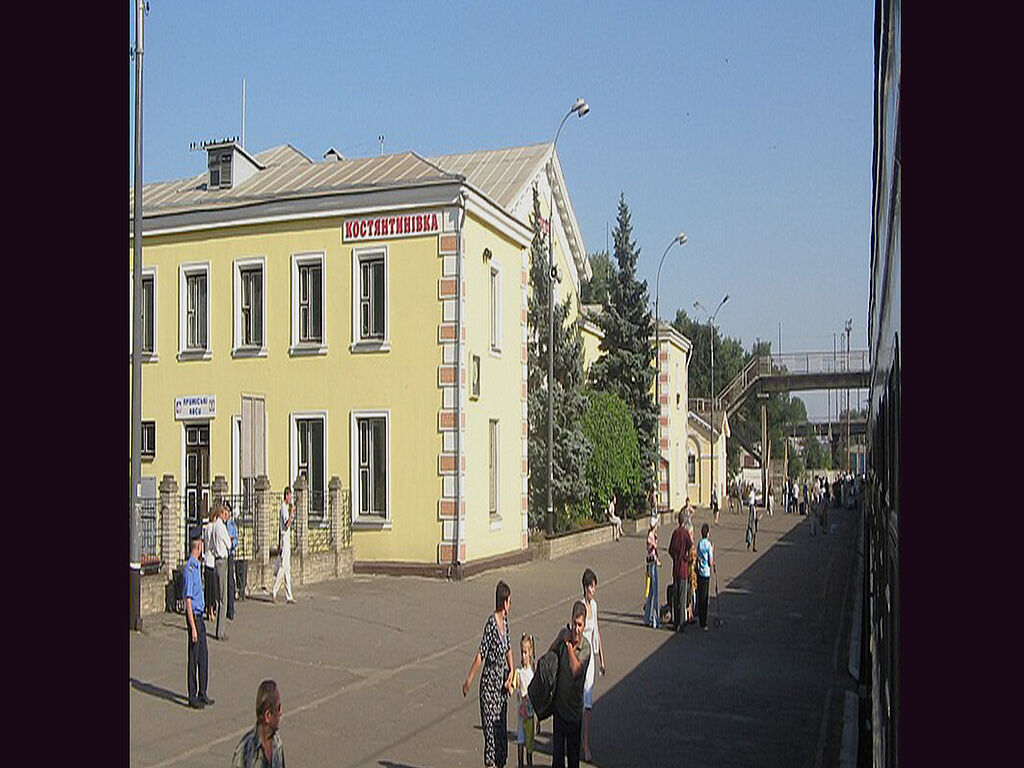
(287, 172)
(501, 174)
(721, 423)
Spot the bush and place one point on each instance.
(614, 465)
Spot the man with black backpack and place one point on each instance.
(573, 656)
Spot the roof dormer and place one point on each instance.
(228, 165)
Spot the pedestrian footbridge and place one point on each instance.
(790, 372)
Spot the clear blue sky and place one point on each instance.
(747, 125)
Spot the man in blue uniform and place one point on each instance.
(195, 605)
(229, 521)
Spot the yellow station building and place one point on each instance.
(363, 319)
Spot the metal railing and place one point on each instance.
(149, 530)
(243, 512)
(798, 363)
(702, 404)
(855, 361)
(319, 531)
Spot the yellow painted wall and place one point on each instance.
(403, 380)
(501, 393)
(676, 409)
(591, 345)
(701, 489)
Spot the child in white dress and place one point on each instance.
(524, 676)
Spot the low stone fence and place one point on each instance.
(565, 543)
(321, 546)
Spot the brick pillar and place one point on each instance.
(334, 505)
(172, 544)
(261, 527)
(218, 490)
(300, 524)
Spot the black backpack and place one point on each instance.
(542, 688)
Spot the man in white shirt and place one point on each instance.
(221, 545)
(284, 572)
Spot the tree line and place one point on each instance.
(605, 421)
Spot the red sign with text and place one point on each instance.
(395, 225)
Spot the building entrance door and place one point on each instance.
(197, 475)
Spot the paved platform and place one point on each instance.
(370, 668)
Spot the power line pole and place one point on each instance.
(135, 492)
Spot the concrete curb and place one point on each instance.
(851, 732)
(856, 623)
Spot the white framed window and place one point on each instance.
(309, 455)
(219, 164)
(309, 314)
(371, 330)
(474, 377)
(149, 316)
(494, 468)
(495, 343)
(691, 468)
(250, 321)
(148, 444)
(194, 311)
(370, 441)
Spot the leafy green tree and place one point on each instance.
(595, 290)
(626, 364)
(614, 466)
(570, 494)
(814, 454)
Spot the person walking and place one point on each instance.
(221, 547)
(651, 601)
(209, 566)
(262, 747)
(496, 680)
(752, 520)
(714, 502)
(229, 523)
(198, 666)
(770, 501)
(705, 562)
(592, 632)
(574, 653)
(680, 549)
(284, 572)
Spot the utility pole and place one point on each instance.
(135, 491)
(849, 325)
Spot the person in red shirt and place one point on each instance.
(681, 550)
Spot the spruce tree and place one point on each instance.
(626, 364)
(570, 448)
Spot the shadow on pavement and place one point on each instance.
(754, 691)
(160, 693)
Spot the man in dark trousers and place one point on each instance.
(681, 550)
(573, 656)
(195, 605)
(229, 523)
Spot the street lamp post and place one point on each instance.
(681, 239)
(135, 494)
(849, 325)
(580, 107)
(711, 323)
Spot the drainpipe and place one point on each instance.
(456, 568)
